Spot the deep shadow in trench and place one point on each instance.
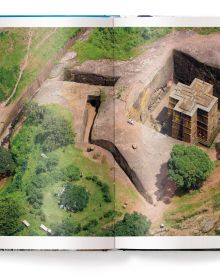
(187, 68)
(89, 78)
(119, 158)
(95, 102)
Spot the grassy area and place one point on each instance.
(96, 207)
(40, 177)
(125, 194)
(122, 43)
(13, 47)
(116, 43)
(192, 204)
(28, 155)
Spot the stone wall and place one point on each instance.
(139, 110)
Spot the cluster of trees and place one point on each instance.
(46, 165)
(134, 224)
(34, 113)
(34, 190)
(7, 165)
(66, 228)
(75, 198)
(22, 146)
(42, 128)
(34, 196)
(56, 132)
(189, 166)
(104, 187)
(10, 215)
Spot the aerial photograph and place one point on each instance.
(109, 131)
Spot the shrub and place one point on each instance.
(7, 165)
(72, 173)
(40, 168)
(102, 185)
(16, 182)
(47, 164)
(103, 96)
(66, 228)
(189, 166)
(90, 225)
(10, 216)
(111, 214)
(134, 224)
(75, 198)
(51, 163)
(34, 113)
(34, 196)
(58, 175)
(39, 181)
(22, 144)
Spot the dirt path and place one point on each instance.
(23, 66)
(26, 59)
(213, 180)
(45, 39)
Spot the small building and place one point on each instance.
(43, 155)
(46, 229)
(26, 223)
(193, 111)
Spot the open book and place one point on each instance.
(109, 130)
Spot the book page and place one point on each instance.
(109, 127)
(167, 132)
(57, 175)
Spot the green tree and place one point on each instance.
(7, 165)
(75, 198)
(34, 113)
(72, 172)
(90, 225)
(51, 163)
(66, 228)
(10, 214)
(189, 166)
(57, 132)
(134, 224)
(34, 196)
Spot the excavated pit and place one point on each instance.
(89, 78)
(186, 68)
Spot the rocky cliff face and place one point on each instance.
(187, 68)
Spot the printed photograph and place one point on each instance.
(109, 131)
